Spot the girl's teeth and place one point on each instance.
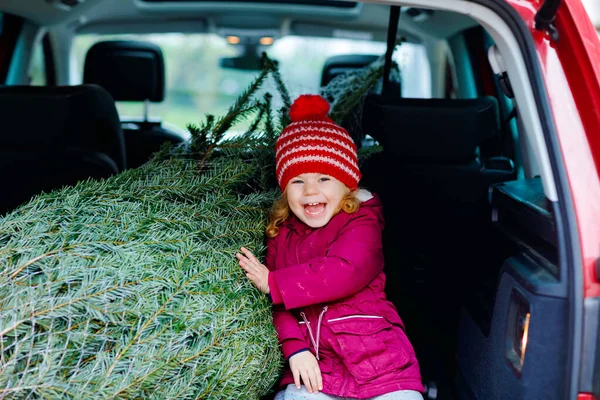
(314, 212)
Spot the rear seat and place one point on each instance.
(56, 136)
(434, 188)
(132, 71)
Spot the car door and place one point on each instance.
(535, 335)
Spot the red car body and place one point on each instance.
(571, 71)
(571, 68)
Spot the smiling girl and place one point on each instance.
(324, 271)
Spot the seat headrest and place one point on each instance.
(39, 118)
(431, 130)
(338, 65)
(128, 70)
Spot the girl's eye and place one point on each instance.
(296, 181)
(324, 179)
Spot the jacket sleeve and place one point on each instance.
(289, 334)
(352, 261)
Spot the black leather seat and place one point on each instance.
(434, 188)
(56, 136)
(132, 71)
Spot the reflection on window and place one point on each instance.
(196, 85)
(37, 67)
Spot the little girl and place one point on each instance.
(323, 272)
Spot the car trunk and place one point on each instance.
(471, 252)
(480, 260)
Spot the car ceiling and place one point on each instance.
(225, 17)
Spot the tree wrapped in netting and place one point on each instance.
(129, 288)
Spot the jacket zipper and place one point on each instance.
(315, 342)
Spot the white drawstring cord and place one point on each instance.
(315, 343)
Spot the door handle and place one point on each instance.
(517, 331)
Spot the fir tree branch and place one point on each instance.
(241, 103)
(258, 119)
(283, 91)
(355, 93)
(269, 128)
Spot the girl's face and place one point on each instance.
(315, 198)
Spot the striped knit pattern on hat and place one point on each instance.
(313, 143)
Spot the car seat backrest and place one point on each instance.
(128, 70)
(337, 65)
(56, 136)
(132, 71)
(432, 130)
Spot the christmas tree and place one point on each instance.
(129, 288)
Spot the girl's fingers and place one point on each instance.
(250, 255)
(296, 374)
(252, 270)
(241, 256)
(306, 380)
(313, 380)
(249, 270)
(244, 266)
(246, 252)
(319, 377)
(247, 265)
(247, 261)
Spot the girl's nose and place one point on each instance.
(310, 189)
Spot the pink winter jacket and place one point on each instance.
(327, 289)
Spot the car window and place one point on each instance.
(196, 84)
(37, 67)
(10, 29)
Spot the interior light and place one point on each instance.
(266, 41)
(233, 39)
(525, 336)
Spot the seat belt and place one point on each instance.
(391, 44)
(497, 63)
(512, 114)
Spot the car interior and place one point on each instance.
(472, 240)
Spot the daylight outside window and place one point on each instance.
(196, 85)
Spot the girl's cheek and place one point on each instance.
(293, 211)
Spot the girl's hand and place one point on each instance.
(255, 271)
(305, 365)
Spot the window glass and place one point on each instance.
(196, 84)
(37, 67)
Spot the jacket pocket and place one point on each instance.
(370, 346)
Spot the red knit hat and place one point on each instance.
(313, 143)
